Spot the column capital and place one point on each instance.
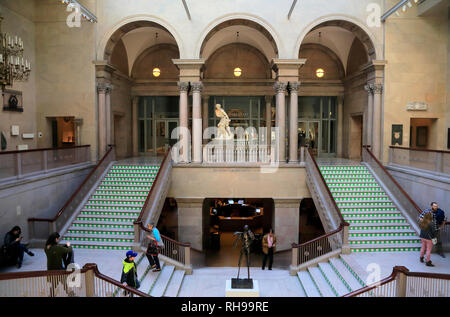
(197, 86)
(104, 88)
(294, 86)
(183, 85)
(280, 87)
(377, 88)
(369, 88)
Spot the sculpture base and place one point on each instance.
(242, 283)
(242, 292)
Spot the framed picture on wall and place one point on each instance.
(397, 134)
(12, 100)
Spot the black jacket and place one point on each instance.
(11, 243)
(129, 273)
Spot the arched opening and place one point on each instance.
(332, 92)
(144, 80)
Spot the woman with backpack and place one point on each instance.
(427, 235)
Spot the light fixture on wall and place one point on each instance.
(400, 7)
(12, 64)
(320, 73)
(237, 71)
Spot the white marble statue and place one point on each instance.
(224, 132)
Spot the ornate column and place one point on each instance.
(340, 126)
(101, 90)
(197, 134)
(268, 119)
(280, 89)
(183, 125)
(108, 115)
(205, 119)
(134, 124)
(376, 136)
(293, 122)
(369, 122)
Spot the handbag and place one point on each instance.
(434, 240)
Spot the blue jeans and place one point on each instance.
(22, 249)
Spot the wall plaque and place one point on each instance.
(416, 106)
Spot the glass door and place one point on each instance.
(308, 135)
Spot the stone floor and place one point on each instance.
(210, 281)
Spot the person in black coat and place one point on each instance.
(13, 248)
(129, 272)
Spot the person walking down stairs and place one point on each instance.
(427, 234)
(129, 272)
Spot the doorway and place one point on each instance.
(225, 216)
(307, 135)
(356, 134)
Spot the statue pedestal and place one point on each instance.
(242, 292)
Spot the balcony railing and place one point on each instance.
(430, 160)
(15, 165)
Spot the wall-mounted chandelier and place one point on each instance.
(12, 64)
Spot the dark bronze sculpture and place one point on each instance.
(246, 237)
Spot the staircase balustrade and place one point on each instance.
(39, 233)
(431, 160)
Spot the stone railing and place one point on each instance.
(430, 160)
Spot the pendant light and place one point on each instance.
(156, 71)
(237, 71)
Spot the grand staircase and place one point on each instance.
(336, 277)
(376, 224)
(106, 220)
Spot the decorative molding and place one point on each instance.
(197, 86)
(104, 88)
(377, 88)
(369, 88)
(294, 86)
(280, 87)
(183, 85)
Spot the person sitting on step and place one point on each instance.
(12, 249)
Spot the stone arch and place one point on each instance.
(239, 19)
(112, 37)
(329, 53)
(348, 23)
(169, 70)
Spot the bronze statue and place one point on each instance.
(246, 237)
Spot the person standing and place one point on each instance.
(438, 222)
(129, 272)
(269, 242)
(427, 234)
(57, 254)
(14, 249)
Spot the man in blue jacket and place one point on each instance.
(439, 223)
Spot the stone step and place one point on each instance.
(386, 247)
(376, 222)
(390, 234)
(377, 190)
(363, 204)
(308, 285)
(148, 281)
(321, 283)
(131, 193)
(111, 208)
(381, 227)
(82, 239)
(175, 283)
(333, 279)
(127, 184)
(102, 224)
(382, 240)
(119, 198)
(99, 235)
(346, 276)
(99, 245)
(346, 173)
(163, 281)
(353, 182)
(362, 195)
(124, 232)
(109, 219)
(362, 199)
(114, 203)
(95, 213)
(372, 214)
(342, 168)
(129, 179)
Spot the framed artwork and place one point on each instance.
(397, 134)
(12, 100)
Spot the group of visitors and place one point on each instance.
(431, 222)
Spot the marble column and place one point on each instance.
(184, 121)
(293, 122)
(108, 115)
(286, 222)
(268, 119)
(340, 126)
(205, 119)
(376, 136)
(101, 90)
(134, 124)
(280, 89)
(197, 134)
(190, 220)
(369, 121)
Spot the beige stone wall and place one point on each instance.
(417, 70)
(200, 182)
(65, 74)
(18, 21)
(121, 116)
